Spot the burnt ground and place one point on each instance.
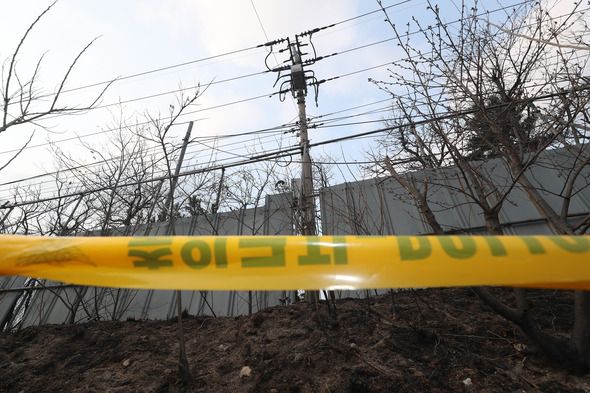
(438, 340)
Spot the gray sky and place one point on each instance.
(138, 36)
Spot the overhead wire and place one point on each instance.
(180, 90)
(278, 130)
(241, 143)
(247, 49)
(226, 104)
(88, 168)
(156, 70)
(272, 130)
(203, 59)
(281, 153)
(326, 120)
(265, 95)
(209, 58)
(348, 50)
(103, 131)
(259, 21)
(236, 78)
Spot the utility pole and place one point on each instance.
(299, 87)
(170, 200)
(183, 366)
(307, 205)
(296, 83)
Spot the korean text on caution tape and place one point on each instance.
(294, 262)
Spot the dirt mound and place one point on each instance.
(435, 340)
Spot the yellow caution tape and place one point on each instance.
(293, 262)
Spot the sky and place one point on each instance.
(211, 44)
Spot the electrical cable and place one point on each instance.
(334, 78)
(239, 77)
(281, 153)
(241, 143)
(148, 122)
(231, 53)
(273, 130)
(166, 68)
(200, 60)
(212, 83)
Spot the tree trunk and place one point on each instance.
(183, 367)
(555, 349)
(580, 342)
(546, 210)
(418, 197)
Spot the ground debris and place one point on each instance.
(440, 340)
(245, 372)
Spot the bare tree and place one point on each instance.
(113, 179)
(24, 219)
(159, 129)
(480, 92)
(23, 102)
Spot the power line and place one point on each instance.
(322, 57)
(259, 20)
(283, 152)
(247, 49)
(223, 149)
(170, 67)
(273, 130)
(441, 117)
(261, 96)
(201, 110)
(263, 72)
(199, 140)
(153, 71)
(212, 83)
(200, 60)
(580, 47)
(148, 122)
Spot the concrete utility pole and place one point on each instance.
(307, 205)
(299, 86)
(170, 200)
(183, 366)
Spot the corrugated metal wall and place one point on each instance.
(45, 302)
(382, 206)
(378, 206)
